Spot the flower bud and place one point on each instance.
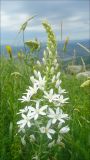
(50, 145)
(38, 63)
(32, 138)
(23, 140)
(52, 70)
(53, 79)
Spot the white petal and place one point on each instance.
(51, 91)
(37, 105)
(42, 129)
(24, 116)
(54, 121)
(51, 111)
(28, 124)
(49, 136)
(36, 116)
(51, 131)
(49, 124)
(43, 108)
(21, 121)
(42, 113)
(31, 108)
(57, 110)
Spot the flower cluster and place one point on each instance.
(46, 108)
(44, 100)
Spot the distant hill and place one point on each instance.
(66, 56)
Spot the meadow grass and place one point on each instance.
(15, 78)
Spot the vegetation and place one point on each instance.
(15, 78)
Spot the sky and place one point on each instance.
(74, 15)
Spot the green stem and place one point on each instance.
(24, 42)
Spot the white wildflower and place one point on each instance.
(61, 91)
(64, 130)
(25, 121)
(58, 115)
(24, 110)
(32, 90)
(60, 100)
(47, 130)
(25, 98)
(50, 96)
(35, 112)
(40, 82)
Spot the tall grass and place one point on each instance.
(77, 143)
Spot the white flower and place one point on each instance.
(58, 82)
(61, 91)
(50, 96)
(25, 121)
(60, 100)
(47, 130)
(24, 110)
(64, 130)
(25, 98)
(40, 83)
(58, 115)
(32, 90)
(35, 112)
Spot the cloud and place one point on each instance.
(74, 15)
